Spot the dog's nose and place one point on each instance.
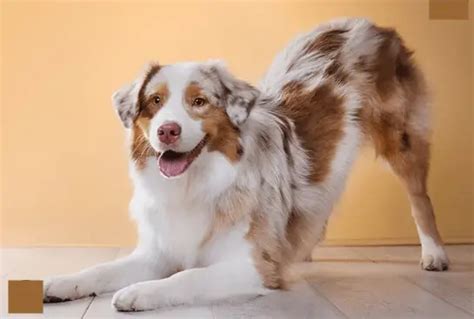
(169, 133)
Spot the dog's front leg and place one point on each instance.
(107, 277)
(193, 286)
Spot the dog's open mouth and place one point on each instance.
(173, 163)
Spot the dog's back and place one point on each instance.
(351, 72)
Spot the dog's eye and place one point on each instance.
(199, 101)
(157, 99)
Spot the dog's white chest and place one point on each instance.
(176, 230)
(174, 217)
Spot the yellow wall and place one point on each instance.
(64, 169)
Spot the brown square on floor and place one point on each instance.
(25, 296)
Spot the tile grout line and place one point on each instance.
(435, 295)
(87, 308)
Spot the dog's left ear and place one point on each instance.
(238, 96)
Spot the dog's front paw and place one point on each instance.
(137, 297)
(63, 288)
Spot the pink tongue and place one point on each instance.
(172, 166)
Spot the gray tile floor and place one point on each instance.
(341, 282)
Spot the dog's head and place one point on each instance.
(185, 109)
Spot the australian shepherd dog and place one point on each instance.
(233, 183)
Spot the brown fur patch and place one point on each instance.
(384, 65)
(336, 71)
(404, 68)
(148, 107)
(391, 63)
(140, 146)
(318, 116)
(326, 42)
(142, 99)
(144, 124)
(192, 91)
(384, 128)
(223, 136)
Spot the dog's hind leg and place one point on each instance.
(411, 163)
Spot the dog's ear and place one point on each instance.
(125, 101)
(238, 97)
